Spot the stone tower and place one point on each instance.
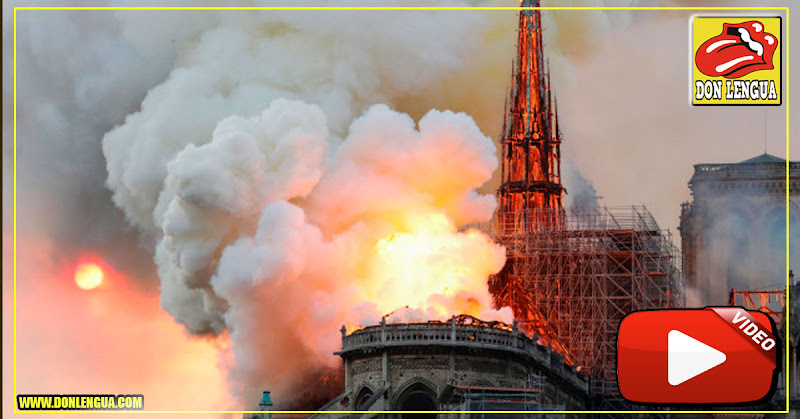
(733, 233)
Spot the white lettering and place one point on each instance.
(762, 86)
(709, 90)
(768, 344)
(738, 317)
(698, 85)
(772, 94)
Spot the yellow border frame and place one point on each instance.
(278, 412)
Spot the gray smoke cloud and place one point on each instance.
(262, 235)
(742, 241)
(279, 220)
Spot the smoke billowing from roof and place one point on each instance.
(279, 220)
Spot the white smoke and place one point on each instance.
(281, 220)
(261, 235)
(215, 192)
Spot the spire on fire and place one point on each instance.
(531, 173)
(531, 193)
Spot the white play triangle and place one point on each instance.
(687, 357)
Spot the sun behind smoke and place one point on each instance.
(88, 276)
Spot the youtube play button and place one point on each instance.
(717, 355)
(687, 357)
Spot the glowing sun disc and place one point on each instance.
(88, 276)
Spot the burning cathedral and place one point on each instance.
(570, 276)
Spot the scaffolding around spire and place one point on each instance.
(571, 274)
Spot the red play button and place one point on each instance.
(718, 355)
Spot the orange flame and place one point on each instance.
(432, 268)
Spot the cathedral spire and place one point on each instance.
(530, 195)
(530, 142)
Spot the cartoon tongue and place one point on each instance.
(734, 52)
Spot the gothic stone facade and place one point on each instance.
(733, 232)
(440, 365)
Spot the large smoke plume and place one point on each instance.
(281, 224)
(261, 234)
(280, 220)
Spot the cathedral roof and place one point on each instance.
(764, 167)
(764, 158)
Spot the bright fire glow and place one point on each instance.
(435, 268)
(88, 276)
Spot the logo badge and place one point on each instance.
(736, 61)
(716, 355)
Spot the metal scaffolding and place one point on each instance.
(486, 399)
(771, 302)
(571, 276)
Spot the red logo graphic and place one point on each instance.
(740, 49)
(717, 355)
